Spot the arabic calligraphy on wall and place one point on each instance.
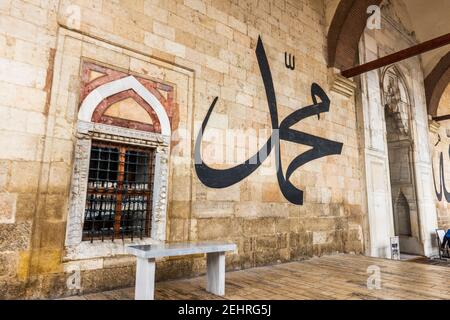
(222, 178)
(442, 189)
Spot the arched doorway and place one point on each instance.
(399, 139)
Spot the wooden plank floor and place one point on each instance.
(329, 277)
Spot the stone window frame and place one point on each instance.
(87, 131)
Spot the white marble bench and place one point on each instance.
(146, 255)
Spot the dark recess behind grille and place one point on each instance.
(119, 197)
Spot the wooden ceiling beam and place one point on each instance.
(398, 56)
(442, 118)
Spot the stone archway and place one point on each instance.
(345, 31)
(436, 82)
(399, 138)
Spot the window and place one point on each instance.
(119, 193)
(120, 171)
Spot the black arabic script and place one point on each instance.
(442, 188)
(222, 178)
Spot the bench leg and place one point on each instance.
(216, 273)
(145, 279)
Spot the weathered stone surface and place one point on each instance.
(24, 177)
(15, 237)
(114, 278)
(13, 289)
(25, 207)
(8, 204)
(8, 264)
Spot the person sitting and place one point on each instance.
(446, 239)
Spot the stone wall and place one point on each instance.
(440, 142)
(203, 49)
(27, 51)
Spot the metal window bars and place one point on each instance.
(119, 196)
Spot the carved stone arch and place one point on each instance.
(396, 97)
(396, 69)
(127, 109)
(95, 97)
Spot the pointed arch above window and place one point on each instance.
(94, 98)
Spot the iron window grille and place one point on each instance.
(119, 193)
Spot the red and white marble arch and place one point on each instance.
(95, 97)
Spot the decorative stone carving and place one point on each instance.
(93, 99)
(78, 190)
(75, 220)
(86, 131)
(341, 84)
(396, 99)
(160, 183)
(105, 132)
(433, 125)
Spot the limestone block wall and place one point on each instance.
(27, 51)
(440, 143)
(203, 49)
